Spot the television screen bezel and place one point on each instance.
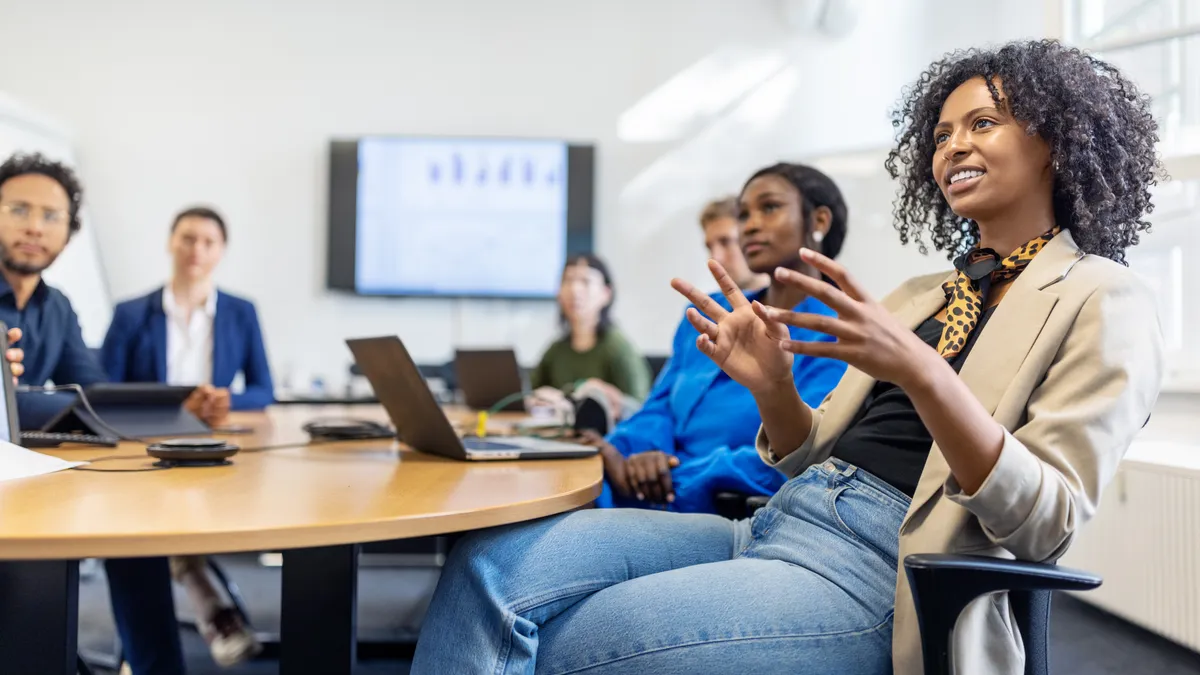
(342, 224)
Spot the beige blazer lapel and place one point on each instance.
(1006, 340)
(1010, 333)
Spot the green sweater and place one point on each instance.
(613, 359)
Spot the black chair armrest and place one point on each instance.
(755, 502)
(998, 574)
(943, 584)
(731, 505)
(736, 506)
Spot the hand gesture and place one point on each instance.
(868, 336)
(741, 341)
(15, 356)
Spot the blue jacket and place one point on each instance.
(53, 342)
(135, 349)
(699, 414)
(54, 350)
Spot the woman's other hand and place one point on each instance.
(743, 341)
(868, 336)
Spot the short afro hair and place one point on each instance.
(24, 164)
(1098, 125)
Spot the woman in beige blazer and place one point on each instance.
(984, 411)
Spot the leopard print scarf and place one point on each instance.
(967, 293)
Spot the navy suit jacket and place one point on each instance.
(135, 349)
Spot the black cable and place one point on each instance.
(144, 468)
(110, 457)
(280, 446)
(308, 444)
(157, 467)
(86, 406)
(83, 399)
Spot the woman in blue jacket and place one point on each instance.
(189, 333)
(694, 437)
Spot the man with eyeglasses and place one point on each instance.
(39, 212)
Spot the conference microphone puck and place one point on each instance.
(192, 452)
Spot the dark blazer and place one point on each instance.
(135, 349)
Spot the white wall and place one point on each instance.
(78, 272)
(233, 103)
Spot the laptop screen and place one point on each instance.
(10, 428)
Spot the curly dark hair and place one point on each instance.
(23, 164)
(1098, 125)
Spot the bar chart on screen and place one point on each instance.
(455, 216)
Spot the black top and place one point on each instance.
(888, 438)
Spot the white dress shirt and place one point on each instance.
(189, 340)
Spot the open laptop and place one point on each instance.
(10, 426)
(421, 423)
(486, 376)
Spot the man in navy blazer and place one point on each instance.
(135, 349)
(189, 333)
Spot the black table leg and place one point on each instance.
(320, 599)
(39, 616)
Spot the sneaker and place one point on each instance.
(229, 640)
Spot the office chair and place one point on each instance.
(737, 505)
(656, 364)
(943, 584)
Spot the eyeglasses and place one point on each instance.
(24, 213)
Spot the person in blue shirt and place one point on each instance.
(694, 437)
(189, 333)
(39, 212)
(39, 203)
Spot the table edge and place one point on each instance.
(140, 545)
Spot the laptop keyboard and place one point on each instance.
(474, 443)
(47, 439)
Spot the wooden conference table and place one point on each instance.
(316, 503)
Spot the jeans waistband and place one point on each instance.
(849, 473)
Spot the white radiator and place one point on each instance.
(1145, 542)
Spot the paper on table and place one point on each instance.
(17, 462)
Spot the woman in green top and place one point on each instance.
(593, 350)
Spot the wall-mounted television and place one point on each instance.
(457, 217)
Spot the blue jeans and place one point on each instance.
(807, 585)
(144, 611)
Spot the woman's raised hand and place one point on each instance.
(743, 342)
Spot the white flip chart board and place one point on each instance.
(78, 272)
